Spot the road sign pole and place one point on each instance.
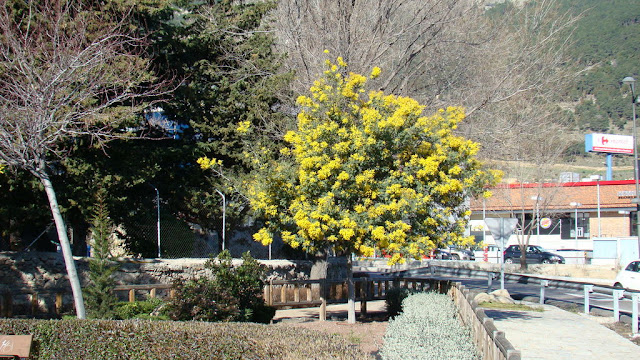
(501, 229)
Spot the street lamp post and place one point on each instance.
(537, 199)
(224, 211)
(597, 179)
(576, 205)
(158, 218)
(632, 83)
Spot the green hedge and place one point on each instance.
(428, 328)
(141, 339)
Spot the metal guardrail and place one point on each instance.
(544, 283)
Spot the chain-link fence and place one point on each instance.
(151, 235)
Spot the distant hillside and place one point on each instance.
(606, 46)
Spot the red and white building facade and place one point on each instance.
(571, 214)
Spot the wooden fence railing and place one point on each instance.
(277, 293)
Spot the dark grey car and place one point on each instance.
(535, 255)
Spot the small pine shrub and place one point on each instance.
(99, 295)
(428, 328)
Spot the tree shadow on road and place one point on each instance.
(510, 314)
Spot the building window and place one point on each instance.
(569, 226)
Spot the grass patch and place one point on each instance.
(516, 307)
(572, 308)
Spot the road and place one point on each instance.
(569, 296)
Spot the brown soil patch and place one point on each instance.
(623, 330)
(367, 333)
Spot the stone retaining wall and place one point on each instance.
(43, 271)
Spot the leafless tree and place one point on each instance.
(415, 42)
(506, 69)
(65, 71)
(512, 101)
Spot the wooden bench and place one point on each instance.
(15, 346)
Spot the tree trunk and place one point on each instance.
(523, 256)
(65, 246)
(351, 318)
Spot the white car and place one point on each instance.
(629, 277)
(461, 254)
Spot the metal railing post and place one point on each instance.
(617, 295)
(634, 313)
(587, 289)
(489, 281)
(543, 285)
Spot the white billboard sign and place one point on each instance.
(607, 143)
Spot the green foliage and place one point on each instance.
(231, 294)
(428, 328)
(222, 52)
(99, 295)
(394, 299)
(147, 340)
(224, 68)
(150, 309)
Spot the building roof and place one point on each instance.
(559, 196)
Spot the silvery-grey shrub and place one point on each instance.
(428, 328)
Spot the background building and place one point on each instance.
(572, 216)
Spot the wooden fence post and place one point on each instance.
(283, 293)
(58, 307)
(267, 293)
(34, 303)
(296, 293)
(323, 299)
(363, 302)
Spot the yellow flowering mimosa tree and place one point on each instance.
(369, 171)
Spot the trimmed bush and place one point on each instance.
(146, 309)
(231, 294)
(428, 328)
(142, 340)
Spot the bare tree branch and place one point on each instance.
(66, 70)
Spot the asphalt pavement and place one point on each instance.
(552, 334)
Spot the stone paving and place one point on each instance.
(561, 335)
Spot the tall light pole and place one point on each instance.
(158, 221)
(224, 216)
(597, 179)
(537, 199)
(632, 83)
(576, 205)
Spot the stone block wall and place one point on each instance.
(46, 272)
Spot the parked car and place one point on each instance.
(462, 254)
(441, 254)
(535, 255)
(629, 277)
